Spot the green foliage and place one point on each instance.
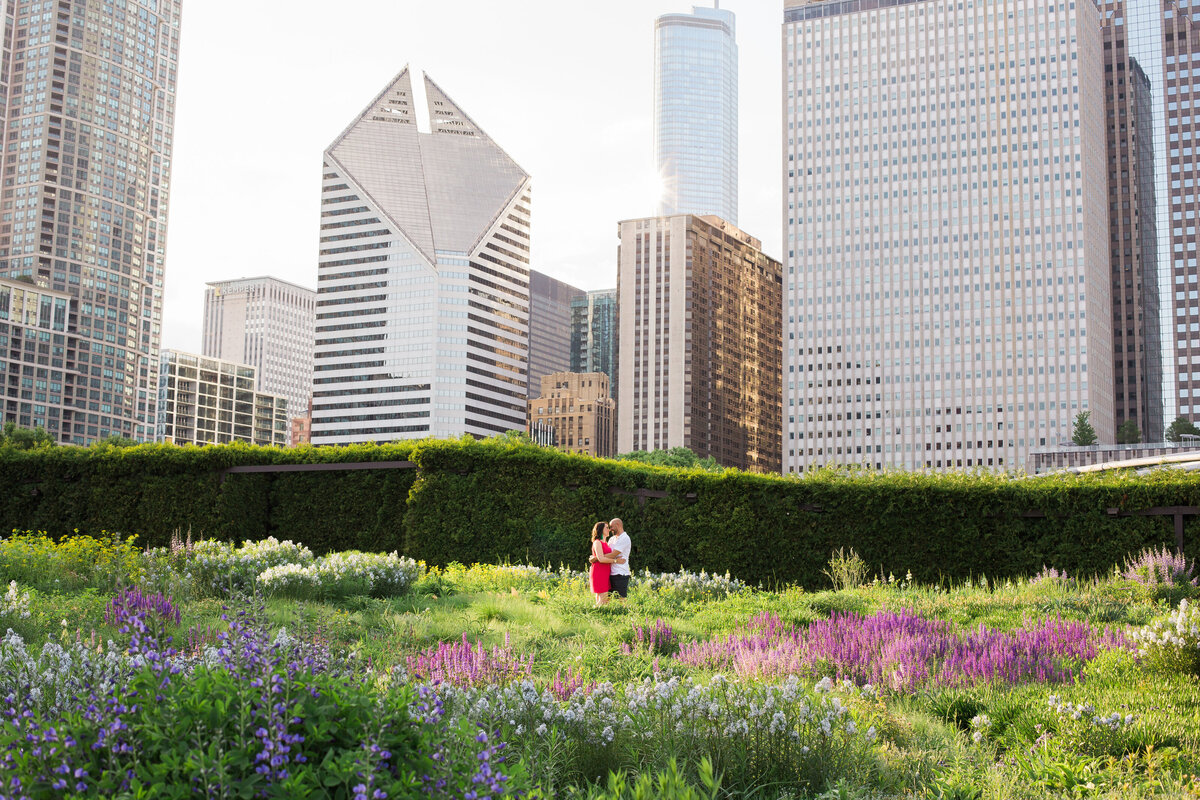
(677, 457)
(1179, 428)
(1128, 433)
(846, 570)
(1083, 434)
(668, 784)
(503, 500)
(24, 438)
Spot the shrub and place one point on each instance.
(1165, 573)
(692, 586)
(846, 570)
(338, 575)
(218, 568)
(105, 562)
(1173, 643)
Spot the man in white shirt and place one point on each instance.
(621, 545)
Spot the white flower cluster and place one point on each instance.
(657, 709)
(1086, 711)
(335, 574)
(1179, 631)
(692, 585)
(981, 725)
(217, 566)
(15, 604)
(59, 678)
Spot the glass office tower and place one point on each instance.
(696, 113)
(1160, 40)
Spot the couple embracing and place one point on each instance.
(610, 560)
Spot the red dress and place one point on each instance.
(600, 573)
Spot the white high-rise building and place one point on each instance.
(696, 113)
(266, 323)
(422, 324)
(947, 295)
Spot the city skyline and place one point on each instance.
(315, 71)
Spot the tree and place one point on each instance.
(115, 440)
(1128, 433)
(1181, 427)
(1084, 433)
(679, 457)
(24, 438)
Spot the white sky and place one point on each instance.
(566, 88)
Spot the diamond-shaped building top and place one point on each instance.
(443, 189)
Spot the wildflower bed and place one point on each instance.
(261, 670)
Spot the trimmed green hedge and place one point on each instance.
(497, 500)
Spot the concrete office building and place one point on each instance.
(699, 341)
(574, 412)
(549, 327)
(594, 334)
(266, 323)
(948, 289)
(39, 375)
(88, 115)
(422, 324)
(696, 112)
(210, 401)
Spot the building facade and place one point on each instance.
(594, 334)
(39, 375)
(422, 323)
(1153, 47)
(266, 323)
(696, 113)
(699, 341)
(550, 302)
(1137, 334)
(948, 289)
(211, 401)
(88, 115)
(574, 412)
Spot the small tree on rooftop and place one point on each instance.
(1181, 427)
(1084, 434)
(1128, 433)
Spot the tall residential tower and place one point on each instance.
(948, 284)
(422, 321)
(88, 117)
(696, 113)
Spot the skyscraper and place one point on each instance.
(266, 323)
(1154, 47)
(594, 334)
(696, 113)
(422, 321)
(549, 328)
(948, 286)
(88, 118)
(699, 340)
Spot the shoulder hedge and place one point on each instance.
(473, 501)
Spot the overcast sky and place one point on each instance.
(566, 88)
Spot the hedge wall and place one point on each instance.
(495, 500)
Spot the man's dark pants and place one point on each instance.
(619, 584)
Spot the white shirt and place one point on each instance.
(621, 544)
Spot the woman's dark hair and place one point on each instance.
(598, 530)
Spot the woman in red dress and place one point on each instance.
(602, 565)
